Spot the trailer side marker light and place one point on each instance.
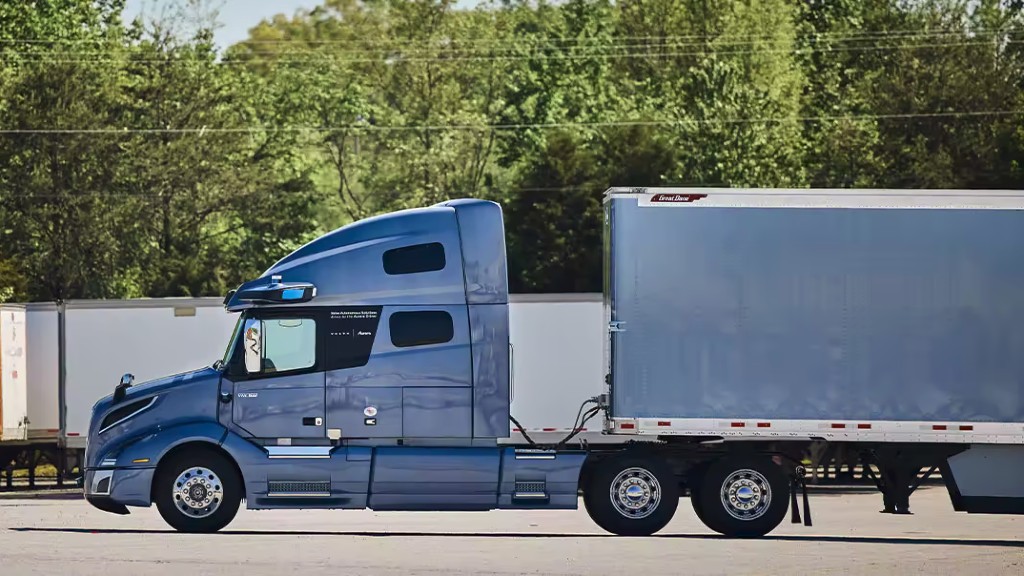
(967, 428)
(764, 424)
(838, 425)
(738, 424)
(627, 426)
(938, 426)
(73, 434)
(548, 429)
(864, 426)
(140, 461)
(664, 423)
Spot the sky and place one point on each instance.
(235, 16)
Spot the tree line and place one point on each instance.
(141, 159)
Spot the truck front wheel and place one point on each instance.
(631, 495)
(742, 496)
(197, 491)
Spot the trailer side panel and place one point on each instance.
(827, 313)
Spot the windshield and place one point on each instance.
(231, 342)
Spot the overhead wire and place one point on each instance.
(894, 33)
(518, 44)
(369, 128)
(312, 58)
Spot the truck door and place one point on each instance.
(276, 380)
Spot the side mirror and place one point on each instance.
(122, 387)
(253, 343)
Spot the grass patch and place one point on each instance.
(46, 470)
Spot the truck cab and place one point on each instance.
(369, 368)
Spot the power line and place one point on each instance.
(523, 57)
(521, 126)
(897, 33)
(516, 44)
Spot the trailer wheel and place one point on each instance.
(197, 491)
(631, 495)
(742, 496)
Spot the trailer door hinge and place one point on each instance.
(616, 326)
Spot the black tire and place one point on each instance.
(658, 488)
(761, 478)
(208, 466)
(695, 501)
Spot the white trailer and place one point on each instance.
(146, 337)
(13, 393)
(77, 352)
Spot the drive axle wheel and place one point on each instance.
(632, 496)
(742, 496)
(197, 491)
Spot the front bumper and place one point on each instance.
(114, 489)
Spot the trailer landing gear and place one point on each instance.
(898, 471)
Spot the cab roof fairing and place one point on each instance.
(345, 265)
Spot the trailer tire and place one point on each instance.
(631, 495)
(696, 502)
(197, 491)
(742, 496)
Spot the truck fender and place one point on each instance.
(137, 461)
(156, 445)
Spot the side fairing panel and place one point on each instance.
(346, 470)
(407, 478)
(818, 313)
(545, 480)
(489, 327)
(482, 230)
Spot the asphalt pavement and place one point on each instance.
(64, 535)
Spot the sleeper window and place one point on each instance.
(414, 259)
(421, 328)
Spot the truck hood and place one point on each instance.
(181, 398)
(156, 385)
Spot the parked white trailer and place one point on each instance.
(145, 337)
(42, 355)
(556, 339)
(13, 394)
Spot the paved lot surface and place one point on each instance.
(67, 536)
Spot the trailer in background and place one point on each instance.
(13, 399)
(29, 429)
(557, 359)
(146, 337)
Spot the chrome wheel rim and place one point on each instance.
(746, 494)
(635, 493)
(197, 492)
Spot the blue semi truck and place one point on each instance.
(372, 367)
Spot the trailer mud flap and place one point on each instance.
(986, 479)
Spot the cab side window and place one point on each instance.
(279, 344)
